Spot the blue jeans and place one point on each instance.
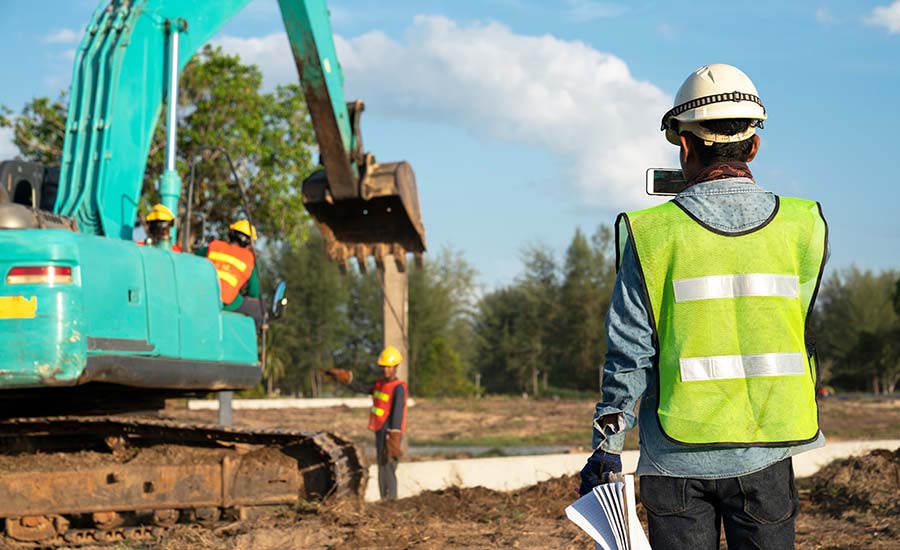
(758, 510)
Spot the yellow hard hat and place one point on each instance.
(390, 357)
(243, 226)
(160, 214)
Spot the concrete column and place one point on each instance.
(395, 307)
(225, 413)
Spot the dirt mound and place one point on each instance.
(462, 518)
(534, 517)
(868, 483)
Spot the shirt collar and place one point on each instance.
(717, 187)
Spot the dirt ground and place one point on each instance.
(853, 504)
(849, 505)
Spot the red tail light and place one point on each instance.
(43, 275)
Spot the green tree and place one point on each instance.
(442, 373)
(268, 135)
(441, 301)
(579, 329)
(315, 324)
(363, 342)
(550, 320)
(502, 337)
(515, 326)
(39, 130)
(857, 327)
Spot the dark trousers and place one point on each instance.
(758, 510)
(251, 308)
(387, 468)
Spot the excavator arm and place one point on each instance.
(125, 70)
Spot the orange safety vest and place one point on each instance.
(234, 264)
(381, 403)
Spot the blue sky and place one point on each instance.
(525, 119)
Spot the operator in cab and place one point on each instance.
(159, 224)
(235, 264)
(387, 417)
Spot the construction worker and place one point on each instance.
(159, 224)
(387, 417)
(708, 326)
(236, 266)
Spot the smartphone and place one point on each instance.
(665, 181)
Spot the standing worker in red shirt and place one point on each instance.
(387, 417)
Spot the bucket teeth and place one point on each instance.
(399, 257)
(383, 220)
(380, 252)
(361, 258)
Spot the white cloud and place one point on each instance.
(62, 36)
(580, 104)
(825, 18)
(885, 16)
(271, 53)
(588, 10)
(8, 149)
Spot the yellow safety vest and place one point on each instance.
(729, 315)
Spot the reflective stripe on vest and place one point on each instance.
(732, 286)
(234, 266)
(725, 367)
(729, 316)
(382, 398)
(227, 258)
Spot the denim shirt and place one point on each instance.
(730, 205)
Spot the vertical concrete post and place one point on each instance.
(225, 415)
(395, 307)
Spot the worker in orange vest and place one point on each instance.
(235, 265)
(387, 417)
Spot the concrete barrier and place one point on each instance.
(287, 403)
(508, 473)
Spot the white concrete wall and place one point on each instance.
(508, 473)
(299, 403)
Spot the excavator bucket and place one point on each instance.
(384, 220)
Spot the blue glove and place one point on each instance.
(596, 471)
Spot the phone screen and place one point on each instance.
(665, 181)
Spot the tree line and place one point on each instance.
(543, 333)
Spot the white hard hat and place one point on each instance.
(714, 92)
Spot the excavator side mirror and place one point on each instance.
(279, 300)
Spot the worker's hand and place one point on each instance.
(342, 376)
(394, 444)
(596, 471)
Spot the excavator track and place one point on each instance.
(73, 480)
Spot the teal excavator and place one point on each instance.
(94, 328)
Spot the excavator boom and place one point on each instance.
(122, 78)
